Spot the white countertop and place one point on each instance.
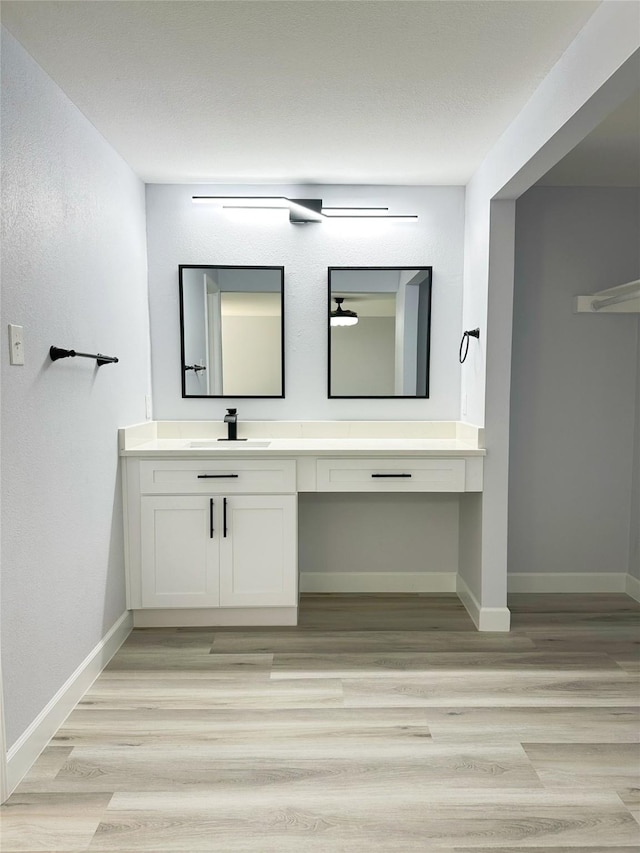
(180, 447)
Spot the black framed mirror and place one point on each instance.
(379, 322)
(232, 331)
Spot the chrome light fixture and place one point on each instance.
(301, 210)
(342, 316)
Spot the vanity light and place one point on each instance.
(342, 316)
(301, 210)
(366, 213)
(337, 212)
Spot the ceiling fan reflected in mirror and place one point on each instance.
(343, 316)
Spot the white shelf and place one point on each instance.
(623, 299)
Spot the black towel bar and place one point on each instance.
(56, 352)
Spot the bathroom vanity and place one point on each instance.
(211, 526)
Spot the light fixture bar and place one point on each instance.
(301, 210)
(364, 213)
(255, 207)
(242, 201)
(344, 212)
(354, 211)
(399, 217)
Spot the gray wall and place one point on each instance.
(363, 357)
(252, 362)
(180, 232)
(74, 275)
(378, 533)
(574, 379)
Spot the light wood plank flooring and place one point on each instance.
(381, 723)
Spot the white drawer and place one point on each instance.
(391, 475)
(221, 476)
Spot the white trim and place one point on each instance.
(4, 785)
(468, 599)
(484, 618)
(575, 582)
(190, 617)
(632, 587)
(377, 582)
(30, 744)
(494, 619)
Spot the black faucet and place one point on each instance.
(231, 419)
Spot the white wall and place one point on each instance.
(180, 232)
(74, 275)
(573, 382)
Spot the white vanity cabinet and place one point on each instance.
(216, 533)
(211, 530)
(259, 551)
(391, 475)
(180, 552)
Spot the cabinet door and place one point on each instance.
(180, 551)
(258, 551)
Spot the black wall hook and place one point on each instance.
(464, 344)
(57, 352)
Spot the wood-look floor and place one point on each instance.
(380, 723)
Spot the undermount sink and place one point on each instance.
(227, 445)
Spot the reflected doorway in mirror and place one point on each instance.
(232, 331)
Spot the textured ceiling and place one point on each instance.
(315, 91)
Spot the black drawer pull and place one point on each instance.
(391, 475)
(211, 530)
(218, 476)
(224, 518)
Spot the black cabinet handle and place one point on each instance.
(211, 530)
(224, 517)
(218, 476)
(391, 475)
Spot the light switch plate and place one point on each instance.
(16, 344)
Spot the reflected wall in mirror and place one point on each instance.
(379, 331)
(232, 331)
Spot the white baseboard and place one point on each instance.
(30, 744)
(632, 587)
(377, 582)
(229, 617)
(575, 582)
(484, 618)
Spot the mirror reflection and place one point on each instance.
(379, 331)
(232, 331)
